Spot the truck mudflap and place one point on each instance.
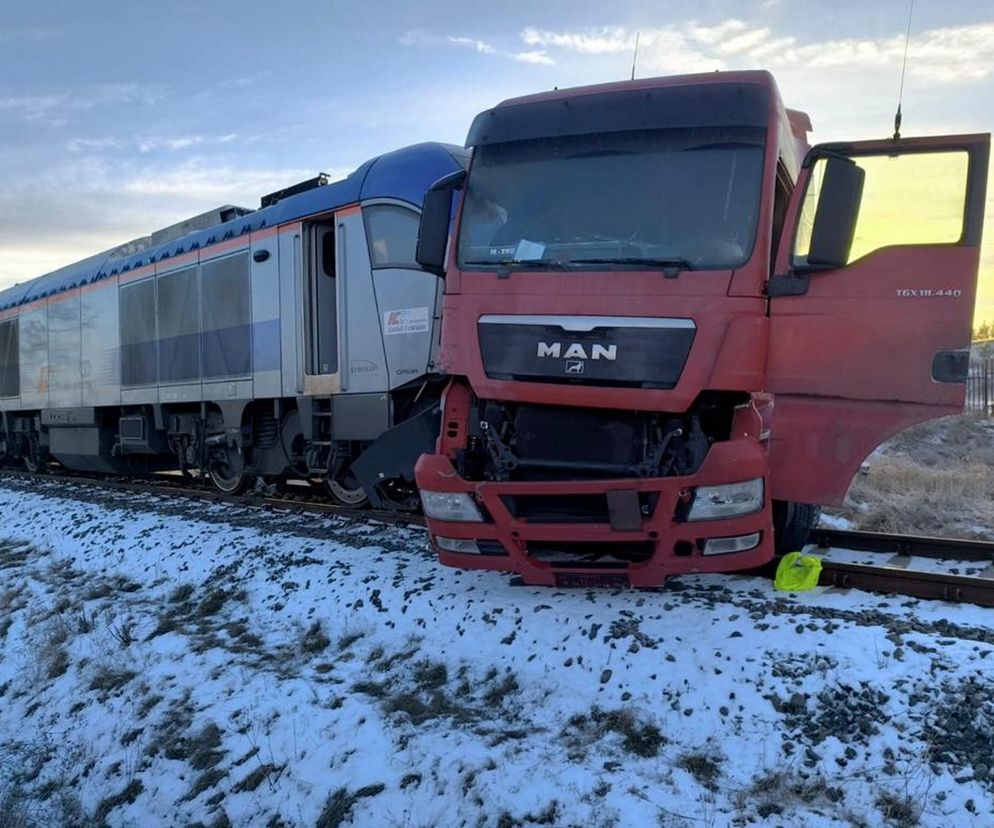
(631, 532)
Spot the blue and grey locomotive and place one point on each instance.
(296, 340)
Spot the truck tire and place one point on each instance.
(792, 524)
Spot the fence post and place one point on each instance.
(988, 375)
(988, 371)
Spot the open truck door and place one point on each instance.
(871, 303)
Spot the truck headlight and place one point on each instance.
(455, 506)
(728, 500)
(463, 547)
(725, 546)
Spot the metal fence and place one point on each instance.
(980, 387)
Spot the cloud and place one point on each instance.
(537, 56)
(73, 210)
(176, 143)
(91, 144)
(420, 38)
(58, 107)
(664, 49)
(197, 181)
(936, 57)
(482, 47)
(591, 42)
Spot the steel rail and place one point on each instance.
(182, 488)
(912, 545)
(892, 580)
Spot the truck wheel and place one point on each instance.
(792, 524)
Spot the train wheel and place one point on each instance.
(225, 479)
(345, 489)
(32, 455)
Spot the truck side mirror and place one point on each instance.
(835, 217)
(436, 213)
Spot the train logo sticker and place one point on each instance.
(405, 321)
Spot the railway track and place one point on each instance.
(298, 501)
(892, 577)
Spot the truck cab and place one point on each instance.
(669, 332)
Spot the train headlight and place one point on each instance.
(454, 506)
(729, 500)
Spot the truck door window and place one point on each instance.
(392, 234)
(912, 198)
(781, 200)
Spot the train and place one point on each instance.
(673, 329)
(239, 344)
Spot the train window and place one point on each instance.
(138, 352)
(227, 330)
(10, 374)
(392, 235)
(179, 327)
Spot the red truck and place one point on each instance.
(671, 328)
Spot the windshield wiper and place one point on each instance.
(668, 263)
(522, 264)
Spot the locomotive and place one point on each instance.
(279, 342)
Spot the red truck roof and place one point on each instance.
(757, 76)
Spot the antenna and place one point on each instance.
(635, 57)
(904, 66)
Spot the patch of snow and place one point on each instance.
(170, 662)
(834, 521)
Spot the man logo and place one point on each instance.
(574, 366)
(576, 350)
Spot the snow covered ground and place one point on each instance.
(167, 662)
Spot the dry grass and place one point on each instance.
(934, 479)
(638, 737)
(704, 767)
(775, 792)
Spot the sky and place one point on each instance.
(118, 118)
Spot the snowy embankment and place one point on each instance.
(166, 662)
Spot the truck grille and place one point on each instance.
(606, 351)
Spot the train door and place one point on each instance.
(321, 290)
(871, 304)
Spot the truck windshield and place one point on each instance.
(685, 198)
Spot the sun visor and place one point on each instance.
(703, 105)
